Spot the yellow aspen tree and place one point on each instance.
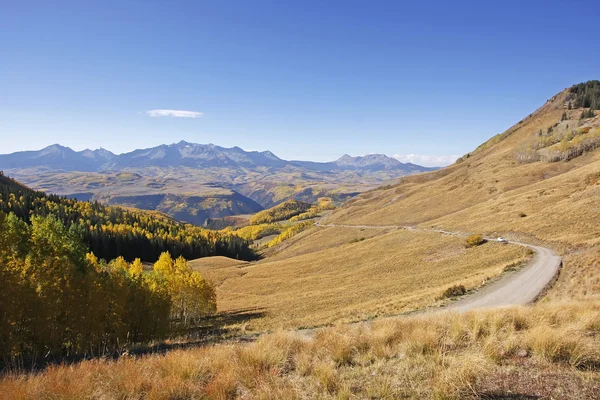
(136, 268)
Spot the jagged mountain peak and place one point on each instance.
(186, 154)
(369, 160)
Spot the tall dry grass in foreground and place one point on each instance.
(542, 351)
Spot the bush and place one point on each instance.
(474, 240)
(521, 214)
(454, 291)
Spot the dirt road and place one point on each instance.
(522, 287)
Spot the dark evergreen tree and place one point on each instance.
(587, 94)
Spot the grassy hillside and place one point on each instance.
(491, 190)
(354, 275)
(218, 268)
(495, 192)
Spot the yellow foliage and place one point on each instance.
(191, 296)
(291, 231)
(136, 268)
(280, 212)
(474, 240)
(254, 232)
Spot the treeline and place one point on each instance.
(255, 232)
(291, 231)
(111, 232)
(322, 204)
(58, 300)
(280, 212)
(312, 213)
(568, 149)
(587, 95)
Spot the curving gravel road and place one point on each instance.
(522, 287)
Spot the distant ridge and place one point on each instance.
(57, 157)
(192, 155)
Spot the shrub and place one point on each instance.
(454, 291)
(521, 214)
(513, 266)
(474, 240)
(356, 240)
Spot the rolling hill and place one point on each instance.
(548, 194)
(493, 190)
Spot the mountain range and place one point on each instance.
(57, 157)
(191, 155)
(193, 182)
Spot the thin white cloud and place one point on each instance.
(426, 160)
(174, 113)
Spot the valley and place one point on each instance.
(299, 200)
(360, 284)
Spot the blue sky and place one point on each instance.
(305, 79)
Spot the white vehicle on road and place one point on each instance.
(502, 240)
